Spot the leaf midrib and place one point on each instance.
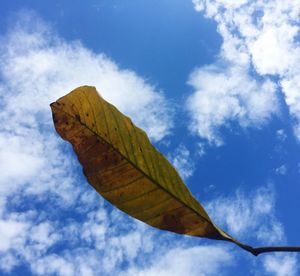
(137, 168)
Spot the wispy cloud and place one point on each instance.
(281, 265)
(260, 38)
(223, 95)
(37, 67)
(182, 160)
(51, 221)
(187, 261)
(45, 201)
(250, 215)
(282, 170)
(281, 135)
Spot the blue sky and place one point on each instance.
(213, 83)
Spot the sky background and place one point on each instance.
(213, 83)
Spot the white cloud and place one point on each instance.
(281, 264)
(43, 236)
(182, 161)
(39, 171)
(10, 233)
(281, 135)
(225, 95)
(282, 170)
(290, 86)
(273, 50)
(53, 264)
(259, 35)
(198, 260)
(38, 67)
(201, 150)
(248, 215)
(50, 221)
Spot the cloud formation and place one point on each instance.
(281, 265)
(45, 202)
(251, 217)
(182, 161)
(186, 261)
(37, 67)
(260, 38)
(51, 221)
(224, 95)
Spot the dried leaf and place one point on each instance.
(119, 161)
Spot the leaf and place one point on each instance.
(123, 166)
(119, 161)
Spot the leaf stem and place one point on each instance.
(259, 250)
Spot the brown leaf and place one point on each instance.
(119, 161)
